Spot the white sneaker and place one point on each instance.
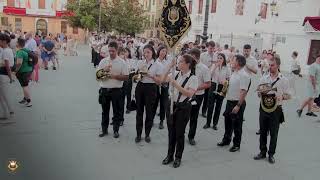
(28, 104)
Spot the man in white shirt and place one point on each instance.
(208, 58)
(271, 114)
(31, 44)
(110, 89)
(204, 82)
(238, 87)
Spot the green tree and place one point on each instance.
(126, 16)
(85, 14)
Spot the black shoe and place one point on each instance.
(161, 125)
(204, 115)
(176, 163)
(116, 135)
(215, 128)
(234, 149)
(103, 134)
(259, 156)
(121, 123)
(127, 111)
(167, 160)
(192, 142)
(54, 68)
(299, 111)
(258, 132)
(111, 123)
(271, 160)
(147, 139)
(46, 68)
(311, 114)
(206, 126)
(137, 139)
(223, 143)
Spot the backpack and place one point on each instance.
(33, 58)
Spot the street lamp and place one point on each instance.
(205, 26)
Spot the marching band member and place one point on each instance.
(110, 91)
(163, 95)
(203, 74)
(251, 63)
(208, 58)
(220, 74)
(146, 92)
(271, 114)
(238, 87)
(184, 86)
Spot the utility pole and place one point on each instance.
(206, 21)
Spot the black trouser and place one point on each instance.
(146, 95)
(205, 101)
(194, 117)
(106, 97)
(93, 55)
(233, 123)
(163, 98)
(214, 99)
(269, 122)
(176, 124)
(127, 89)
(96, 59)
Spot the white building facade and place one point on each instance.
(265, 24)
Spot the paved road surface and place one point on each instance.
(57, 139)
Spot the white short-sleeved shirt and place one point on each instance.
(282, 85)
(191, 84)
(208, 59)
(294, 64)
(118, 67)
(203, 75)
(153, 67)
(165, 64)
(104, 51)
(239, 80)
(7, 54)
(220, 74)
(31, 45)
(252, 63)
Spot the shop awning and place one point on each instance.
(14, 11)
(312, 23)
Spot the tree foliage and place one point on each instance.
(122, 16)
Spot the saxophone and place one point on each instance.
(224, 90)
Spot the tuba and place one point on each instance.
(102, 75)
(224, 89)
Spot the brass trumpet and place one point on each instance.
(224, 89)
(139, 75)
(102, 75)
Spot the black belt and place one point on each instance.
(149, 84)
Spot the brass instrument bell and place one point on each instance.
(224, 89)
(102, 75)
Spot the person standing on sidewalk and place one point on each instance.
(312, 87)
(23, 71)
(271, 113)
(110, 89)
(219, 75)
(6, 62)
(204, 82)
